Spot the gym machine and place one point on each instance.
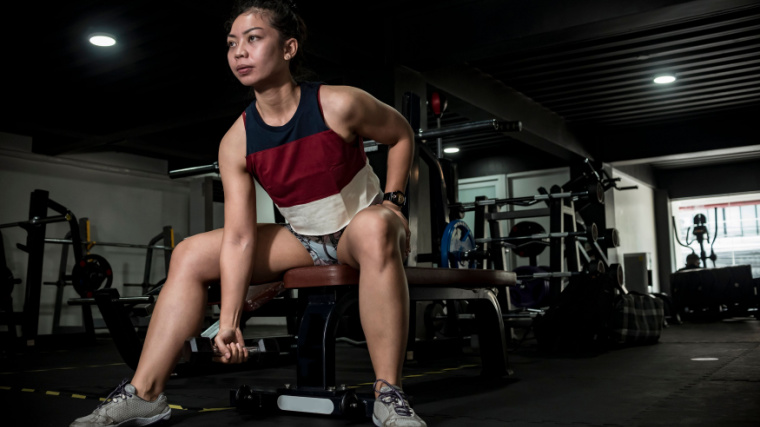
(7, 283)
(166, 237)
(701, 235)
(577, 254)
(138, 308)
(712, 293)
(89, 272)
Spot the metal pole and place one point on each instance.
(485, 125)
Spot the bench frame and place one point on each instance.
(327, 292)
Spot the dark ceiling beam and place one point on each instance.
(645, 116)
(696, 159)
(541, 128)
(730, 129)
(640, 92)
(625, 75)
(580, 23)
(712, 73)
(656, 105)
(694, 57)
(638, 46)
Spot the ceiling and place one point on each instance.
(577, 74)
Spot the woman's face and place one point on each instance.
(255, 52)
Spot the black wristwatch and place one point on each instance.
(397, 198)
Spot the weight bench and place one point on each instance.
(325, 292)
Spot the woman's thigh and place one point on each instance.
(277, 251)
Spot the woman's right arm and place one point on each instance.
(238, 241)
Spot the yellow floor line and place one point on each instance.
(59, 369)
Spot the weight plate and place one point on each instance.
(89, 274)
(457, 240)
(530, 248)
(529, 293)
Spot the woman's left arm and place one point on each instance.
(350, 112)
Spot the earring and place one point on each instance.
(287, 57)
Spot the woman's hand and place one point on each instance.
(230, 344)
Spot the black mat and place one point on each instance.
(637, 386)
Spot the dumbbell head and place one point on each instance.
(596, 267)
(611, 238)
(596, 193)
(594, 233)
(616, 274)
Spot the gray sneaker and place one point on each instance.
(392, 409)
(124, 408)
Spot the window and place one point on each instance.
(731, 230)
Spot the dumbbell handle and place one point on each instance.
(251, 350)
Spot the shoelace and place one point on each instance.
(395, 397)
(118, 393)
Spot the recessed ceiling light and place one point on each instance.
(451, 150)
(102, 39)
(665, 79)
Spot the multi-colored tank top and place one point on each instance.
(316, 179)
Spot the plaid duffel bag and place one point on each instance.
(637, 319)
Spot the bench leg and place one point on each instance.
(491, 335)
(316, 339)
(315, 391)
(490, 324)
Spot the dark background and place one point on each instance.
(577, 74)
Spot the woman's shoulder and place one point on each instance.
(340, 91)
(342, 99)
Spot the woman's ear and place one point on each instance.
(291, 48)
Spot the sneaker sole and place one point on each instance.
(147, 421)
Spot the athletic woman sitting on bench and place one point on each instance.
(303, 143)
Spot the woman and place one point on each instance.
(302, 142)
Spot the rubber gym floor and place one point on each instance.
(653, 385)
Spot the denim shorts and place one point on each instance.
(322, 249)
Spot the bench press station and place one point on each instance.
(326, 292)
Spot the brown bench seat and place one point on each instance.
(336, 275)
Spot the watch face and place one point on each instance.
(400, 199)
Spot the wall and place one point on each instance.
(128, 199)
(711, 180)
(635, 221)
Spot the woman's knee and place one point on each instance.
(195, 257)
(379, 235)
